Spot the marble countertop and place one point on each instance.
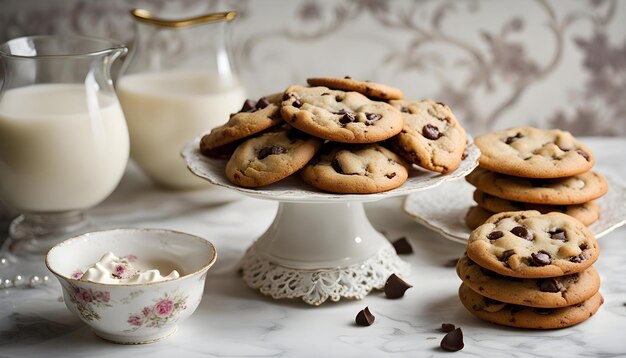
(234, 320)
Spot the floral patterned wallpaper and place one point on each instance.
(497, 63)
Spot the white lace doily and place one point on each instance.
(443, 209)
(295, 190)
(316, 286)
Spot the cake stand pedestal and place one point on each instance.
(321, 245)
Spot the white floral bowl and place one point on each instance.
(133, 313)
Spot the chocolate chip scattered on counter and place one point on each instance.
(395, 287)
(453, 341)
(447, 327)
(402, 246)
(364, 317)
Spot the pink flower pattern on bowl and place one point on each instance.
(87, 300)
(164, 311)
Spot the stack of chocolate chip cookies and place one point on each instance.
(340, 134)
(531, 270)
(534, 169)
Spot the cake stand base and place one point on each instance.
(320, 251)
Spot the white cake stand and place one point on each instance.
(320, 245)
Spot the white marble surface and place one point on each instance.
(233, 320)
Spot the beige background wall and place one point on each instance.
(497, 63)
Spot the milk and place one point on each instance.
(166, 110)
(60, 149)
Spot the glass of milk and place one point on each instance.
(63, 138)
(177, 83)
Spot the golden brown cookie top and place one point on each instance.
(529, 244)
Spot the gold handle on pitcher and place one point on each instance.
(147, 17)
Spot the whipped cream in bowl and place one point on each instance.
(132, 286)
(120, 270)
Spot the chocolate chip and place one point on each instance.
(512, 139)
(338, 98)
(286, 96)
(395, 287)
(495, 235)
(402, 246)
(390, 176)
(404, 110)
(336, 166)
(262, 103)
(576, 259)
(347, 118)
(441, 104)
(275, 149)
(447, 327)
(431, 132)
(364, 317)
(372, 117)
(506, 255)
(583, 154)
(522, 232)
(453, 341)
(297, 103)
(541, 258)
(548, 285)
(558, 234)
(325, 94)
(347, 77)
(248, 106)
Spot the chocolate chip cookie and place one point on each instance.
(356, 169)
(339, 116)
(254, 117)
(529, 244)
(528, 317)
(270, 157)
(534, 153)
(431, 136)
(476, 216)
(587, 213)
(544, 292)
(370, 89)
(577, 189)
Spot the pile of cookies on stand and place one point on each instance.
(530, 264)
(340, 134)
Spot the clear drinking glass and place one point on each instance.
(177, 82)
(63, 137)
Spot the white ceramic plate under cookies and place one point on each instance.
(442, 209)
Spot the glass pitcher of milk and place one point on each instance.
(177, 83)
(63, 138)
